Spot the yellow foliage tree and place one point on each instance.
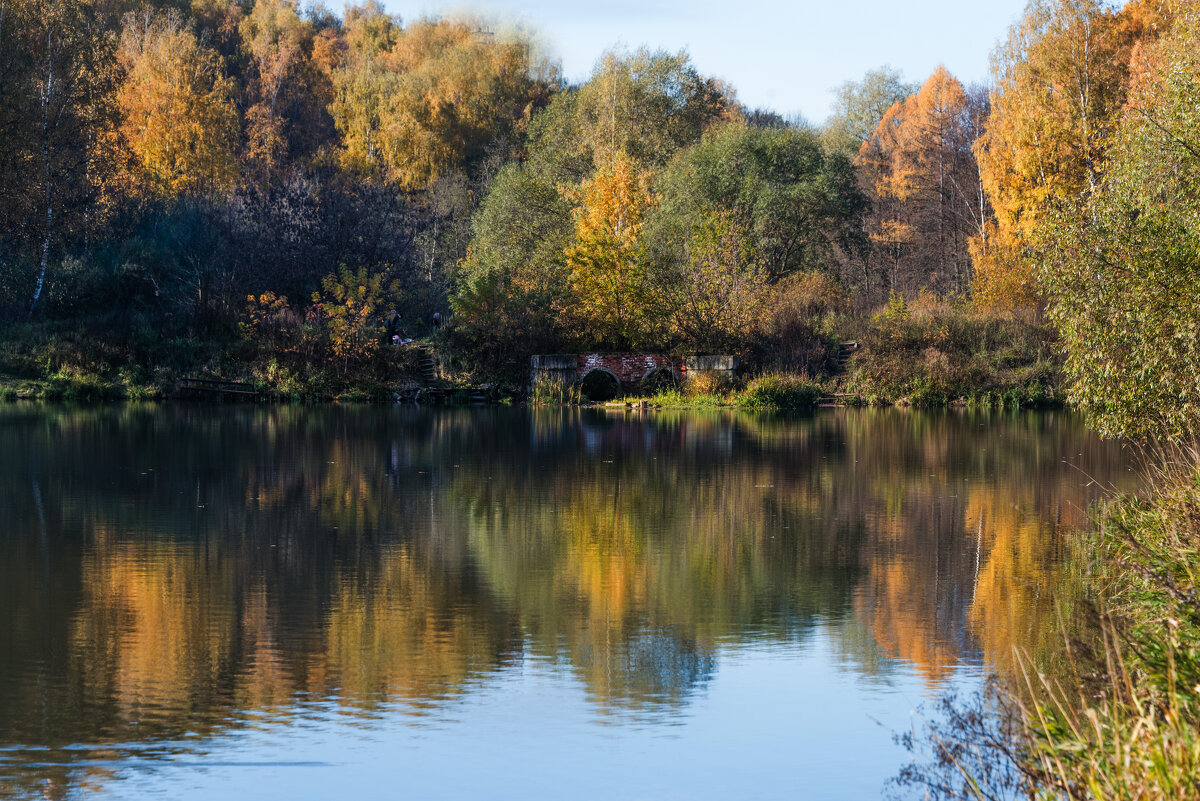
(415, 104)
(1061, 79)
(179, 116)
(277, 40)
(611, 297)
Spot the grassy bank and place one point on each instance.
(930, 353)
(1114, 714)
(766, 392)
(1129, 728)
(53, 363)
(939, 353)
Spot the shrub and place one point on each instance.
(791, 336)
(779, 391)
(349, 307)
(933, 352)
(709, 382)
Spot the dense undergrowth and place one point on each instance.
(930, 353)
(1129, 726)
(937, 353)
(57, 363)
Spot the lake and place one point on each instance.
(209, 602)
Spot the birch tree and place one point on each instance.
(58, 118)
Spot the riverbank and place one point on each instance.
(771, 391)
(1114, 712)
(1131, 727)
(934, 356)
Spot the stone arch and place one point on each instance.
(661, 376)
(599, 384)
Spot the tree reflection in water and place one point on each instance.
(175, 571)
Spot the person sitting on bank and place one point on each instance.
(393, 326)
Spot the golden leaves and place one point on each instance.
(1061, 81)
(610, 288)
(917, 167)
(179, 117)
(427, 99)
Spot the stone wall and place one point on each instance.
(630, 369)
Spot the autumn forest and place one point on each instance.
(238, 193)
(245, 187)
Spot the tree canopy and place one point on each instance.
(1121, 265)
(1060, 80)
(923, 183)
(859, 106)
(416, 103)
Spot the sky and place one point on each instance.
(785, 56)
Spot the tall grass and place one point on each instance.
(1121, 720)
(549, 392)
(1128, 725)
(779, 391)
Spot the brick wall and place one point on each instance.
(629, 368)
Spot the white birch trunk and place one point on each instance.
(47, 91)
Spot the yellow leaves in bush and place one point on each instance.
(349, 307)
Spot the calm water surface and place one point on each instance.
(236, 602)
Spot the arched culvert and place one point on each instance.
(659, 379)
(599, 384)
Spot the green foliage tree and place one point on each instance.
(859, 106)
(800, 207)
(515, 292)
(1121, 266)
(514, 276)
(644, 106)
(716, 293)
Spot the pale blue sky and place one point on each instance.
(779, 55)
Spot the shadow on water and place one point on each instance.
(175, 572)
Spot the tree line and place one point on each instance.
(186, 167)
(166, 159)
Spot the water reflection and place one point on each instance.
(175, 572)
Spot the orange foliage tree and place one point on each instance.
(922, 179)
(1061, 79)
(288, 87)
